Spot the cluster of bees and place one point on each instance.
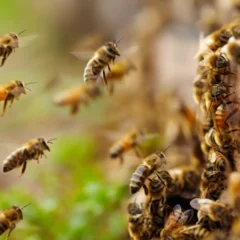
(199, 200)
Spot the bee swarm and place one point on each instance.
(199, 200)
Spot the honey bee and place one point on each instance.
(215, 64)
(221, 163)
(150, 164)
(216, 95)
(101, 59)
(77, 96)
(200, 86)
(10, 218)
(185, 181)
(176, 222)
(196, 232)
(8, 43)
(136, 228)
(213, 181)
(233, 49)
(33, 149)
(11, 91)
(221, 141)
(157, 188)
(215, 211)
(129, 141)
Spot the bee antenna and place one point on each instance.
(50, 140)
(164, 150)
(22, 31)
(117, 42)
(28, 89)
(25, 206)
(30, 83)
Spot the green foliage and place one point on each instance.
(84, 208)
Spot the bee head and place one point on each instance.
(21, 87)
(19, 211)
(44, 144)
(112, 48)
(15, 39)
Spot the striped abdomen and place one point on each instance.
(14, 160)
(220, 116)
(138, 178)
(4, 225)
(120, 147)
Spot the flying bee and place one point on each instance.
(33, 149)
(77, 96)
(130, 140)
(101, 59)
(157, 187)
(11, 91)
(176, 222)
(10, 218)
(216, 211)
(136, 228)
(200, 86)
(9, 42)
(150, 164)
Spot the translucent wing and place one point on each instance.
(198, 203)
(83, 55)
(25, 41)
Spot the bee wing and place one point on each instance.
(24, 41)
(130, 50)
(82, 55)
(186, 216)
(198, 203)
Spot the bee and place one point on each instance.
(176, 222)
(129, 141)
(157, 187)
(221, 163)
(101, 59)
(223, 141)
(10, 218)
(33, 149)
(136, 228)
(216, 95)
(150, 164)
(185, 181)
(214, 64)
(200, 86)
(77, 96)
(8, 43)
(11, 91)
(213, 180)
(215, 211)
(196, 232)
(233, 49)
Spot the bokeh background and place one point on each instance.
(78, 192)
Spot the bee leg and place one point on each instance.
(104, 78)
(109, 68)
(137, 153)
(113, 59)
(74, 109)
(23, 168)
(10, 230)
(145, 189)
(121, 159)
(9, 97)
